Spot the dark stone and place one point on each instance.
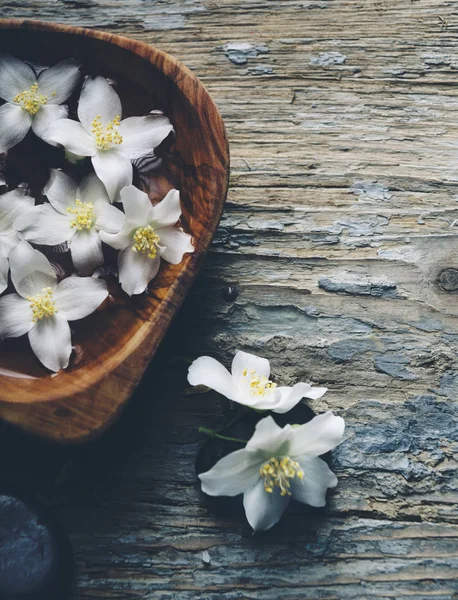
(448, 280)
(36, 559)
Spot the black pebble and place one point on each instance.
(36, 559)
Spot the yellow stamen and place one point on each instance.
(146, 241)
(30, 100)
(84, 215)
(108, 136)
(278, 471)
(43, 305)
(259, 385)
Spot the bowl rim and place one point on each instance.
(196, 94)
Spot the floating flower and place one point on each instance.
(111, 143)
(32, 101)
(147, 235)
(277, 465)
(249, 383)
(12, 204)
(76, 214)
(42, 307)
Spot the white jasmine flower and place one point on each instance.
(42, 307)
(31, 101)
(76, 214)
(12, 204)
(277, 465)
(249, 383)
(147, 235)
(111, 143)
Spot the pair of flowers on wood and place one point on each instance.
(277, 463)
(104, 207)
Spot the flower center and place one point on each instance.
(30, 100)
(259, 385)
(146, 241)
(278, 471)
(106, 137)
(42, 305)
(84, 215)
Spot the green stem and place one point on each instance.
(213, 434)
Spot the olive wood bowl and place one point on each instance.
(113, 347)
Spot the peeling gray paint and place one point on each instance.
(393, 365)
(344, 351)
(293, 322)
(364, 226)
(440, 60)
(371, 190)
(406, 254)
(408, 439)
(377, 288)
(327, 59)
(232, 240)
(264, 224)
(261, 70)
(239, 52)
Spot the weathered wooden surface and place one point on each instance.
(340, 221)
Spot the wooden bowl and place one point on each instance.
(113, 347)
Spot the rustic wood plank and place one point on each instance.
(341, 219)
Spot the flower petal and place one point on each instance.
(12, 205)
(98, 98)
(44, 225)
(16, 317)
(287, 397)
(15, 77)
(231, 475)
(60, 191)
(91, 189)
(86, 251)
(4, 268)
(51, 341)
(318, 477)
(109, 218)
(264, 509)
(137, 206)
(45, 117)
(72, 136)
(14, 125)
(315, 392)
(120, 240)
(207, 371)
(269, 438)
(59, 81)
(136, 270)
(30, 270)
(167, 212)
(7, 243)
(77, 297)
(140, 135)
(244, 360)
(114, 169)
(321, 434)
(174, 244)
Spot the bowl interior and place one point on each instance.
(195, 162)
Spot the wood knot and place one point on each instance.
(230, 293)
(448, 280)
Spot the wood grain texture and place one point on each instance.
(340, 222)
(115, 345)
